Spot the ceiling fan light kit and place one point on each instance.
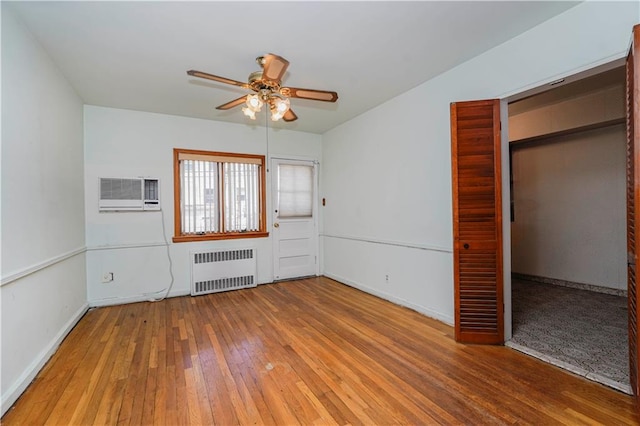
(267, 85)
(278, 105)
(254, 103)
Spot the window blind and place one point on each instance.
(295, 190)
(241, 197)
(199, 201)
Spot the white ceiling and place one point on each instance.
(134, 55)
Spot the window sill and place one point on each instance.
(212, 237)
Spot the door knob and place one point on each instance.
(466, 246)
(276, 225)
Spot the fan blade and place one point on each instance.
(274, 67)
(217, 78)
(233, 103)
(315, 95)
(289, 115)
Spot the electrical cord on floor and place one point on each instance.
(166, 243)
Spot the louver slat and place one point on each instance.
(477, 217)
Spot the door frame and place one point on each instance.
(506, 223)
(316, 205)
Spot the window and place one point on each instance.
(218, 195)
(295, 191)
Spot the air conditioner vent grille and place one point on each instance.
(120, 189)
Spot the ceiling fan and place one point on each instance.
(267, 83)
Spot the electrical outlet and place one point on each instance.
(386, 279)
(107, 277)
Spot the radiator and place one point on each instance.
(215, 271)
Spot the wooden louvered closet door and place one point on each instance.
(477, 222)
(633, 185)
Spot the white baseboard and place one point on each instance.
(398, 301)
(112, 301)
(14, 392)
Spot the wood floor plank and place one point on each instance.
(63, 363)
(311, 351)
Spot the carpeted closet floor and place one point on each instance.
(579, 330)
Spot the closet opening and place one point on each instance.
(567, 181)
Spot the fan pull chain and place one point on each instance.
(266, 126)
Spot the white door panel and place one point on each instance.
(295, 247)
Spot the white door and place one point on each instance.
(294, 213)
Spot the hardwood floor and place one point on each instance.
(303, 352)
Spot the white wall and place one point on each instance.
(43, 289)
(570, 216)
(123, 143)
(386, 174)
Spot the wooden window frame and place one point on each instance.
(218, 157)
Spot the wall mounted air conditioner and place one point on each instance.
(129, 194)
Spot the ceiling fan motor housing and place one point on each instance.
(257, 83)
